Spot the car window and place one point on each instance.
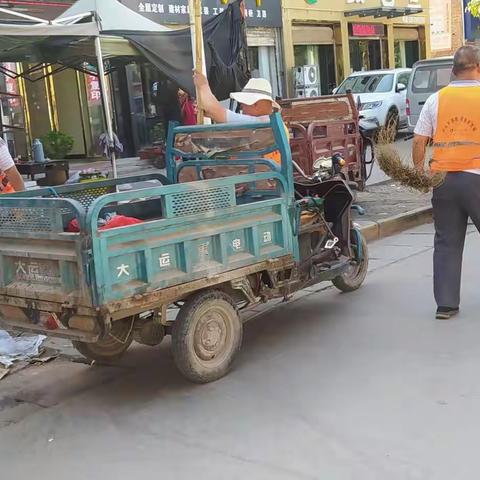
(367, 84)
(404, 78)
(430, 79)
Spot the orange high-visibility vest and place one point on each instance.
(456, 142)
(275, 156)
(5, 186)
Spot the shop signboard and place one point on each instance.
(368, 30)
(440, 25)
(386, 3)
(259, 13)
(93, 90)
(11, 85)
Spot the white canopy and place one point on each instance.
(89, 29)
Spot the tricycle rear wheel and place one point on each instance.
(206, 336)
(354, 277)
(111, 348)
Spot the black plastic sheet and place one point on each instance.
(225, 52)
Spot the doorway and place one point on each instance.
(368, 54)
(324, 57)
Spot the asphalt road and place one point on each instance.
(363, 386)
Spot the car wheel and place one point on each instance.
(389, 131)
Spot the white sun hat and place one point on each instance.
(255, 90)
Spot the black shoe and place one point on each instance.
(446, 313)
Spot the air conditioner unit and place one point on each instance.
(306, 76)
(308, 92)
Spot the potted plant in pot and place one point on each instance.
(57, 145)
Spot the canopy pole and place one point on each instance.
(106, 104)
(198, 48)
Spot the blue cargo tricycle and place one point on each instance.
(225, 229)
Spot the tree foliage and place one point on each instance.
(474, 8)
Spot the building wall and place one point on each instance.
(333, 14)
(446, 15)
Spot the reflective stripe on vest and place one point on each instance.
(456, 142)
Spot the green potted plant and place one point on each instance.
(57, 145)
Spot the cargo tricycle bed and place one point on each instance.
(109, 262)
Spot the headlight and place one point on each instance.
(370, 105)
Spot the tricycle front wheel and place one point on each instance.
(354, 277)
(111, 348)
(206, 336)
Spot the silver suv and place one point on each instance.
(428, 77)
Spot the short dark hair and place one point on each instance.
(466, 58)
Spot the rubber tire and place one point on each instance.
(185, 355)
(345, 282)
(392, 119)
(108, 350)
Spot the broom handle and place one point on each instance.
(199, 64)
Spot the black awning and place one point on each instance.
(383, 12)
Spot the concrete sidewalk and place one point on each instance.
(391, 208)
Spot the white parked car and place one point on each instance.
(380, 94)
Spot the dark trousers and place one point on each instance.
(457, 199)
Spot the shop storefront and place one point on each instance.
(352, 35)
(68, 101)
(150, 96)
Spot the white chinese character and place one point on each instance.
(95, 85)
(171, 8)
(154, 8)
(237, 244)
(250, 13)
(215, 10)
(123, 270)
(177, 9)
(164, 260)
(141, 7)
(20, 267)
(148, 7)
(206, 11)
(220, 10)
(264, 14)
(203, 250)
(184, 9)
(161, 8)
(33, 269)
(95, 95)
(267, 237)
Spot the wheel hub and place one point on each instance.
(210, 336)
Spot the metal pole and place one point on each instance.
(106, 104)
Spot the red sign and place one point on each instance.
(368, 30)
(11, 85)
(93, 90)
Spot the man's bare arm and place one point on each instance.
(207, 101)
(15, 179)
(419, 150)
